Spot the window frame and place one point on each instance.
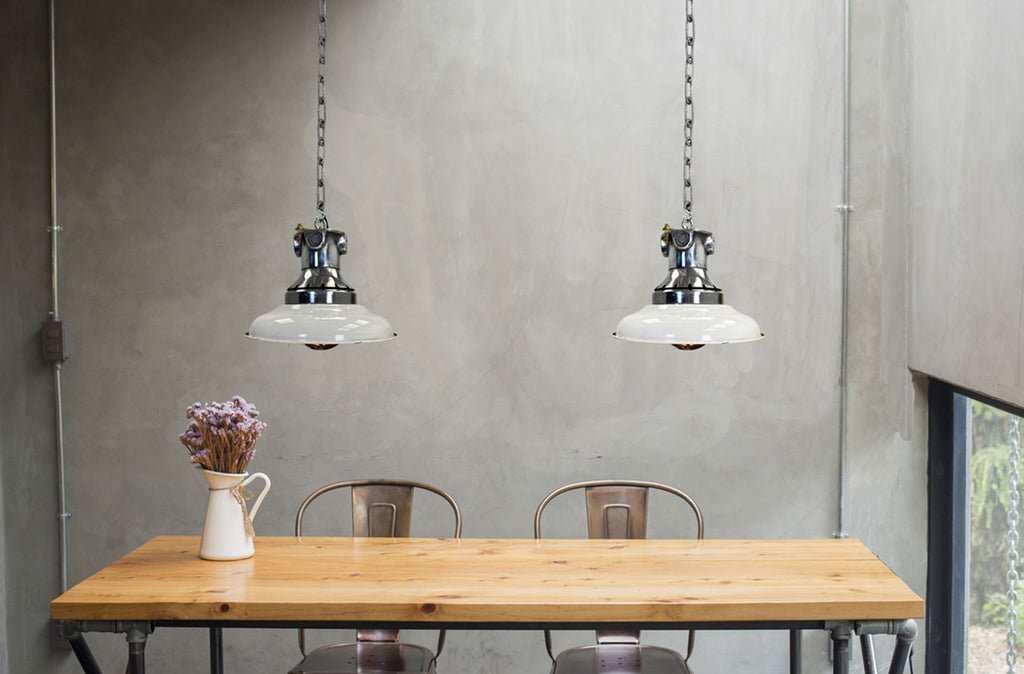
(949, 438)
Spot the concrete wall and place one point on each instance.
(965, 197)
(502, 171)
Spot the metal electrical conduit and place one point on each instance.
(844, 208)
(52, 331)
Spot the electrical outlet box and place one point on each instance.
(55, 347)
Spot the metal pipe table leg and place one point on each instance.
(905, 631)
(136, 637)
(867, 650)
(216, 650)
(71, 632)
(796, 655)
(905, 635)
(841, 648)
(136, 659)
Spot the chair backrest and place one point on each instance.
(381, 508)
(617, 509)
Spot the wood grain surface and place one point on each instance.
(497, 581)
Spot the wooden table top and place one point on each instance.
(497, 581)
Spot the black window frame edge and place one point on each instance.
(948, 508)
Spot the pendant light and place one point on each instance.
(687, 310)
(320, 309)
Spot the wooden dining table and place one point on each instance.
(837, 585)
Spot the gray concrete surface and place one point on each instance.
(502, 171)
(965, 199)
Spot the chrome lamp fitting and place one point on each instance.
(687, 282)
(320, 281)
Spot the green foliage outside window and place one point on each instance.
(993, 612)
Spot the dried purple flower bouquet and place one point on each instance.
(222, 436)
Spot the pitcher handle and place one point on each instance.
(263, 494)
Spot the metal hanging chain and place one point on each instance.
(321, 114)
(1012, 538)
(688, 124)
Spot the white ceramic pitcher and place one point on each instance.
(227, 531)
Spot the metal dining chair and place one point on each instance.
(380, 509)
(618, 509)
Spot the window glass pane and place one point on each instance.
(988, 604)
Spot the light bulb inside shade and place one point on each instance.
(321, 326)
(688, 326)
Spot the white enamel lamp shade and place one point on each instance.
(321, 324)
(688, 324)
